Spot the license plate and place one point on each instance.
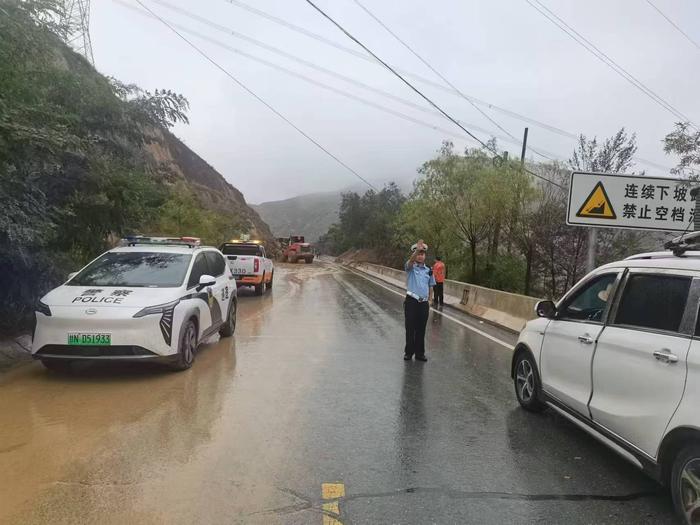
(89, 339)
(239, 271)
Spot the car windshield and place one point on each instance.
(137, 269)
(241, 249)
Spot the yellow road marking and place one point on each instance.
(332, 490)
(331, 509)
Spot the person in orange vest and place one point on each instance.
(439, 272)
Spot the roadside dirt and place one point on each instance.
(14, 351)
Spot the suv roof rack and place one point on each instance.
(684, 243)
(662, 255)
(135, 240)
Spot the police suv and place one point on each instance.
(151, 299)
(619, 356)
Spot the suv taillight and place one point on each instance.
(256, 265)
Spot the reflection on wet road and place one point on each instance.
(312, 390)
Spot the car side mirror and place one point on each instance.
(71, 275)
(546, 309)
(206, 280)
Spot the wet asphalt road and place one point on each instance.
(311, 390)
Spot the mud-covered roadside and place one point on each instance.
(14, 351)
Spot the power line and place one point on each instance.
(354, 97)
(429, 66)
(357, 54)
(401, 78)
(254, 95)
(316, 82)
(509, 138)
(436, 85)
(417, 91)
(600, 55)
(686, 35)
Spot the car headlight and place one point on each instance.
(43, 308)
(157, 309)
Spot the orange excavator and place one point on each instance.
(295, 249)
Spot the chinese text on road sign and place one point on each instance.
(630, 201)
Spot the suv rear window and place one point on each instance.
(241, 249)
(147, 269)
(653, 301)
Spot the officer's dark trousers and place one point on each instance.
(416, 315)
(438, 294)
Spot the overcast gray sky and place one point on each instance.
(502, 52)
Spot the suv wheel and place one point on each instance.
(527, 383)
(260, 288)
(272, 277)
(188, 346)
(685, 483)
(230, 325)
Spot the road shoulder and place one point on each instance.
(14, 351)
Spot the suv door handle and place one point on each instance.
(665, 356)
(585, 339)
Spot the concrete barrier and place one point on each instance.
(505, 309)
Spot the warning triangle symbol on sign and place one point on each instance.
(597, 205)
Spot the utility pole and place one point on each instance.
(522, 154)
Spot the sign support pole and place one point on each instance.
(592, 244)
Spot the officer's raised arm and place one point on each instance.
(420, 245)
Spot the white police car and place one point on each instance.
(149, 299)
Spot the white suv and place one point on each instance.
(152, 299)
(619, 355)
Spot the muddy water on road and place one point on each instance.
(135, 444)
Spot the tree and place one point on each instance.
(365, 221)
(614, 155)
(684, 141)
(473, 199)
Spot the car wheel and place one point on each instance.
(54, 365)
(230, 326)
(187, 348)
(527, 383)
(259, 288)
(685, 484)
(269, 285)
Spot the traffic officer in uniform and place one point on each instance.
(419, 281)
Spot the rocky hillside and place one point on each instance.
(210, 187)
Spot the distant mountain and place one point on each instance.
(311, 215)
(308, 215)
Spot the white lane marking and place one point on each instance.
(446, 316)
